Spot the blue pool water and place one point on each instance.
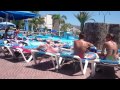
(69, 40)
(34, 43)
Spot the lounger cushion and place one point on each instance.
(1, 41)
(110, 61)
(67, 46)
(30, 47)
(67, 54)
(23, 49)
(119, 50)
(1, 44)
(90, 56)
(26, 50)
(34, 43)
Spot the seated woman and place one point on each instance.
(111, 48)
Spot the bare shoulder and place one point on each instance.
(106, 43)
(76, 41)
(90, 44)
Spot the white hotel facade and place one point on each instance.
(48, 21)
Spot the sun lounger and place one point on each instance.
(22, 52)
(52, 55)
(1, 45)
(110, 63)
(18, 49)
(76, 58)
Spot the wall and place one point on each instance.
(96, 33)
(48, 21)
(115, 29)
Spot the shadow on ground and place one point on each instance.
(105, 72)
(10, 59)
(67, 69)
(70, 69)
(42, 66)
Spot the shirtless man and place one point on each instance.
(81, 46)
(111, 48)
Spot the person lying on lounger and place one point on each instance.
(48, 47)
(111, 48)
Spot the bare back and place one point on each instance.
(111, 48)
(80, 46)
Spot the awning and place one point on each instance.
(7, 23)
(17, 15)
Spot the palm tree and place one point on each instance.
(83, 17)
(57, 21)
(20, 23)
(36, 21)
(65, 26)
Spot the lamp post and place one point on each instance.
(104, 14)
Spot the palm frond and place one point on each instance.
(83, 17)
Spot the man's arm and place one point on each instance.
(90, 44)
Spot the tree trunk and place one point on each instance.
(32, 28)
(82, 28)
(56, 24)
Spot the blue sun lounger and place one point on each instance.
(74, 58)
(106, 62)
(42, 53)
(1, 45)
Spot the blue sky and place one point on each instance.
(114, 16)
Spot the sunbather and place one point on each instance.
(81, 46)
(111, 48)
(48, 47)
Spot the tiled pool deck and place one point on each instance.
(13, 69)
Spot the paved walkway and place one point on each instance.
(13, 69)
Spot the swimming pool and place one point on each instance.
(57, 38)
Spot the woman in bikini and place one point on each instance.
(111, 48)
